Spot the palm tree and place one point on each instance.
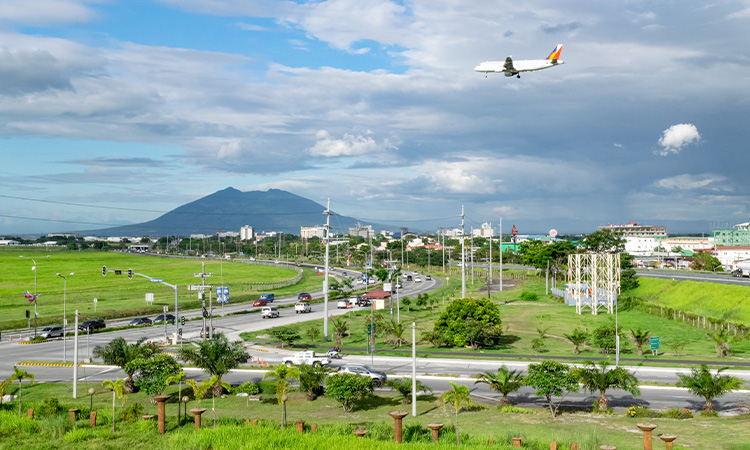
(459, 396)
(200, 389)
(702, 383)
(282, 373)
(404, 385)
(117, 388)
(640, 338)
(505, 381)
(311, 379)
(119, 353)
(395, 333)
(721, 342)
(20, 375)
(596, 377)
(179, 378)
(216, 356)
(577, 338)
(340, 328)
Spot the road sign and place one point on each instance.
(654, 341)
(156, 280)
(198, 287)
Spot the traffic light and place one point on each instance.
(130, 273)
(104, 271)
(28, 314)
(205, 313)
(182, 320)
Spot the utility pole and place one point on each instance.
(75, 359)
(500, 235)
(327, 213)
(489, 281)
(463, 258)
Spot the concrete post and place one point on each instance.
(574, 446)
(161, 400)
(435, 427)
(301, 426)
(360, 433)
(398, 416)
(553, 445)
(313, 428)
(92, 418)
(647, 428)
(668, 438)
(517, 441)
(197, 416)
(608, 447)
(73, 412)
(30, 413)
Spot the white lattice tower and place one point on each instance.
(600, 273)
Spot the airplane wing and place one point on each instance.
(508, 66)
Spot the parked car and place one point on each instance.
(266, 297)
(269, 312)
(138, 321)
(301, 308)
(92, 325)
(50, 332)
(304, 297)
(260, 303)
(378, 378)
(160, 318)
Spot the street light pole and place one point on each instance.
(65, 320)
(36, 299)
(463, 257)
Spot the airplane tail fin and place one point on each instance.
(555, 55)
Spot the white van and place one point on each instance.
(269, 312)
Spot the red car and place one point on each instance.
(260, 303)
(304, 297)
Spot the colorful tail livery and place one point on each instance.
(555, 55)
(510, 67)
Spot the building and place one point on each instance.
(452, 232)
(318, 231)
(641, 245)
(247, 233)
(485, 231)
(739, 235)
(730, 255)
(364, 231)
(8, 242)
(636, 229)
(686, 243)
(224, 234)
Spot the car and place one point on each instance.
(160, 318)
(399, 286)
(409, 278)
(343, 304)
(207, 331)
(251, 259)
(269, 312)
(138, 321)
(302, 307)
(304, 297)
(50, 332)
(266, 297)
(260, 303)
(92, 325)
(343, 273)
(417, 279)
(428, 277)
(378, 378)
(415, 273)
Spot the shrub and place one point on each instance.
(709, 413)
(538, 345)
(639, 411)
(678, 413)
(249, 388)
(529, 296)
(510, 409)
(348, 388)
(132, 413)
(267, 387)
(50, 406)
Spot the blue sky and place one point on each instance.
(116, 111)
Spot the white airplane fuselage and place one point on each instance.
(530, 65)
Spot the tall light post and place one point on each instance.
(65, 319)
(36, 300)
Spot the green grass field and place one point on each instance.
(118, 296)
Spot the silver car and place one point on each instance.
(378, 378)
(50, 332)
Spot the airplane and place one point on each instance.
(510, 67)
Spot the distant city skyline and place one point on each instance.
(117, 112)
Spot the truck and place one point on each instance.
(306, 357)
(301, 308)
(741, 268)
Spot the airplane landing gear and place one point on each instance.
(518, 76)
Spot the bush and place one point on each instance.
(510, 409)
(348, 388)
(639, 412)
(596, 410)
(709, 413)
(267, 387)
(249, 388)
(529, 296)
(538, 345)
(678, 413)
(132, 413)
(50, 406)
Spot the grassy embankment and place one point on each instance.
(522, 320)
(477, 425)
(119, 296)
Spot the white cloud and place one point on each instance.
(44, 12)
(349, 145)
(678, 136)
(688, 181)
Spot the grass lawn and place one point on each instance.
(521, 322)
(119, 296)
(477, 424)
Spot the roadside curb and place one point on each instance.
(47, 364)
(33, 342)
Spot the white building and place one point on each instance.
(247, 233)
(223, 234)
(730, 255)
(636, 229)
(364, 231)
(318, 231)
(687, 243)
(452, 232)
(641, 245)
(485, 231)
(7, 242)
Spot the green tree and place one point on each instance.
(721, 339)
(281, 374)
(640, 338)
(478, 334)
(20, 375)
(119, 353)
(348, 388)
(504, 381)
(703, 383)
(313, 334)
(200, 388)
(394, 333)
(151, 374)
(453, 322)
(628, 279)
(404, 387)
(458, 396)
(311, 379)
(604, 337)
(340, 328)
(179, 379)
(597, 377)
(577, 338)
(216, 356)
(422, 300)
(286, 335)
(604, 241)
(539, 254)
(117, 388)
(706, 261)
(552, 379)
(406, 301)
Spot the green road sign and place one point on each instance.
(654, 341)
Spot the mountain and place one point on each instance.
(230, 210)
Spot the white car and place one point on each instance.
(417, 279)
(50, 332)
(301, 308)
(269, 312)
